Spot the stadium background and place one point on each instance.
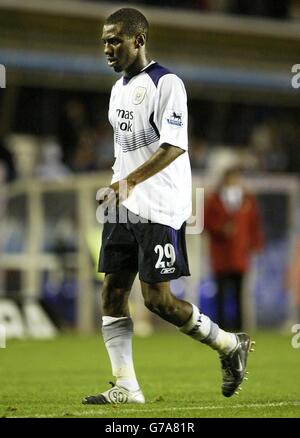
(236, 60)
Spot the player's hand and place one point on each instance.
(105, 196)
(122, 189)
(115, 193)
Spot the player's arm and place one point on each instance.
(120, 190)
(164, 156)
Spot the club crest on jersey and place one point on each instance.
(174, 118)
(138, 95)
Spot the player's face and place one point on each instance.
(120, 50)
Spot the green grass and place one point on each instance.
(179, 377)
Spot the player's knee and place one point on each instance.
(111, 295)
(158, 304)
(111, 287)
(114, 299)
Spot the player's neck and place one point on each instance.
(140, 63)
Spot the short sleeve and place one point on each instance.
(171, 116)
(110, 106)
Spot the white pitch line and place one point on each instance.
(162, 409)
(203, 408)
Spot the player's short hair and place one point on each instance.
(133, 21)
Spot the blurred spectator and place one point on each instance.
(198, 153)
(232, 221)
(7, 166)
(84, 159)
(73, 121)
(25, 151)
(288, 134)
(216, 5)
(295, 9)
(59, 295)
(104, 145)
(266, 8)
(51, 166)
(265, 141)
(221, 157)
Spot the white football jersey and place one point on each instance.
(145, 111)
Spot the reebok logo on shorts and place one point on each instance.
(167, 271)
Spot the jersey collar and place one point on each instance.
(126, 79)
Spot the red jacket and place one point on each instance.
(231, 248)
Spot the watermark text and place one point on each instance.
(2, 336)
(295, 81)
(2, 76)
(156, 207)
(295, 342)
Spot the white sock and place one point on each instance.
(203, 329)
(117, 335)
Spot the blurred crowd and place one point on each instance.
(270, 145)
(277, 9)
(265, 141)
(77, 145)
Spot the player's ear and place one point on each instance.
(140, 40)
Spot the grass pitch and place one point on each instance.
(179, 377)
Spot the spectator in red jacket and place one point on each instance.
(232, 221)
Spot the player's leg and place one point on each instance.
(159, 299)
(187, 317)
(162, 257)
(117, 327)
(117, 331)
(115, 294)
(119, 257)
(232, 348)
